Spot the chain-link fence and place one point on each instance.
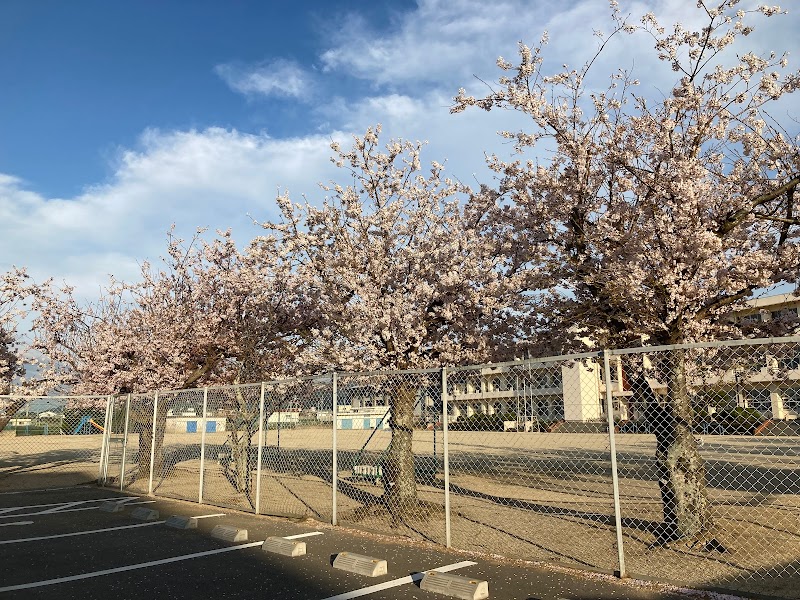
(296, 461)
(710, 465)
(677, 463)
(52, 441)
(529, 461)
(390, 454)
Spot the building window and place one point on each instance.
(791, 399)
(791, 362)
(784, 313)
(759, 399)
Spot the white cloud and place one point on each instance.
(461, 140)
(279, 77)
(445, 43)
(213, 178)
(437, 41)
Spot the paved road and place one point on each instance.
(115, 556)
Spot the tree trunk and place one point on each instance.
(400, 485)
(11, 410)
(243, 425)
(239, 469)
(681, 469)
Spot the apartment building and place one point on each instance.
(575, 390)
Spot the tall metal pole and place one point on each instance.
(260, 447)
(101, 475)
(446, 459)
(125, 443)
(613, 452)
(153, 445)
(334, 459)
(203, 446)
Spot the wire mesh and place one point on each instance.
(231, 447)
(138, 444)
(706, 439)
(176, 451)
(529, 461)
(50, 441)
(390, 453)
(111, 471)
(296, 460)
(708, 456)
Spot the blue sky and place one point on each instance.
(84, 78)
(118, 119)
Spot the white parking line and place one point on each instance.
(62, 535)
(301, 535)
(395, 582)
(153, 563)
(35, 491)
(209, 516)
(9, 509)
(64, 506)
(16, 523)
(35, 514)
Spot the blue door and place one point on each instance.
(347, 423)
(367, 424)
(211, 427)
(191, 426)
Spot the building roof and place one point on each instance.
(774, 301)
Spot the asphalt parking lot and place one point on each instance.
(59, 543)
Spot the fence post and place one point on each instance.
(445, 458)
(153, 445)
(103, 472)
(613, 452)
(203, 446)
(125, 443)
(334, 454)
(260, 447)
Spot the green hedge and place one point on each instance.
(740, 421)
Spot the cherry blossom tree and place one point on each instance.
(652, 219)
(15, 289)
(393, 276)
(206, 317)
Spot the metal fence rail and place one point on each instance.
(604, 460)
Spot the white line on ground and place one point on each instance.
(395, 582)
(35, 514)
(62, 535)
(5, 510)
(16, 523)
(153, 563)
(64, 504)
(209, 516)
(35, 491)
(301, 535)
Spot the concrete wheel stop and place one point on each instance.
(360, 564)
